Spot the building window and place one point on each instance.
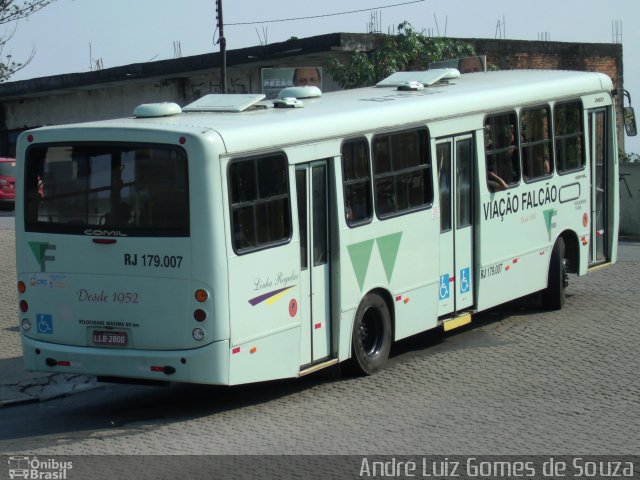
(567, 118)
(535, 132)
(501, 151)
(402, 172)
(260, 206)
(356, 182)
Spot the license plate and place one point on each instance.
(112, 339)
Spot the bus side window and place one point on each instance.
(501, 151)
(260, 206)
(402, 172)
(356, 179)
(567, 119)
(535, 128)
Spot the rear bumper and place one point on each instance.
(208, 364)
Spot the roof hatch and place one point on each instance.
(229, 102)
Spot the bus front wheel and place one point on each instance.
(371, 336)
(553, 296)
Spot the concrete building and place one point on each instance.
(115, 92)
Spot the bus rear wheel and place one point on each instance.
(371, 335)
(554, 295)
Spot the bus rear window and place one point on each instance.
(136, 190)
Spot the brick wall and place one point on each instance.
(592, 57)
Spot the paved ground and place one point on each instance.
(6, 219)
(17, 385)
(522, 381)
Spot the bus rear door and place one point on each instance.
(313, 219)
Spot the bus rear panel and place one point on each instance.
(105, 265)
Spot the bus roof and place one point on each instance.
(351, 112)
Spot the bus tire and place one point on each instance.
(371, 335)
(554, 295)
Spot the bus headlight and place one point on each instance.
(26, 324)
(198, 334)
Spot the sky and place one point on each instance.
(70, 36)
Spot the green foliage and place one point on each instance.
(628, 156)
(408, 50)
(10, 12)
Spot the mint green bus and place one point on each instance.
(238, 240)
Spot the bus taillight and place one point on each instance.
(202, 295)
(200, 315)
(22, 287)
(24, 306)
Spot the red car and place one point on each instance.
(7, 181)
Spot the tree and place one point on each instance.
(629, 157)
(10, 12)
(408, 50)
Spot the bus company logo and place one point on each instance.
(39, 250)
(33, 468)
(94, 232)
(270, 297)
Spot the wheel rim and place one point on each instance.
(371, 332)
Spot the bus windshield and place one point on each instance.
(134, 190)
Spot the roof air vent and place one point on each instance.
(287, 102)
(410, 86)
(305, 91)
(151, 110)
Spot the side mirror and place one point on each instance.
(630, 121)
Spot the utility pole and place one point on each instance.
(223, 48)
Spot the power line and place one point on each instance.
(325, 15)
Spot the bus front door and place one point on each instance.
(599, 164)
(313, 221)
(455, 157)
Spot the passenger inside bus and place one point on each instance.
(495, 183)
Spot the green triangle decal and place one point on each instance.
(388, 247)
(38, 249)
(548, 215)
(360, 254)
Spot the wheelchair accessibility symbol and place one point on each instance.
(444, 286)
(45, 323)
(465, 280)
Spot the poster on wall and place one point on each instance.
(275, 79)
(464, 65)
